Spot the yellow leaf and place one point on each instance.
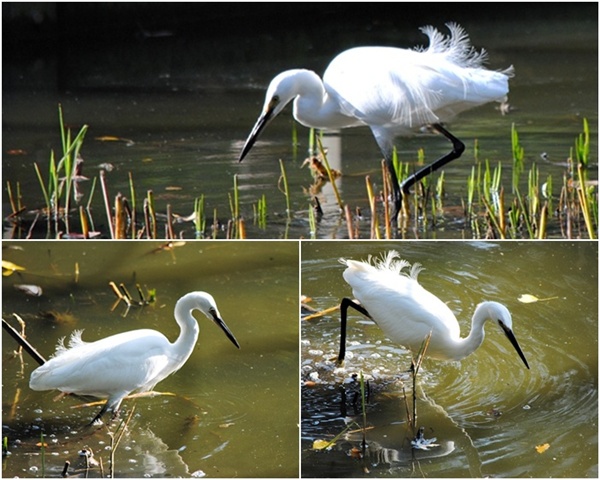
(112, 138)
(322, 444)
(8, 268)
(108, 138)
(542, 448)
(526, 298)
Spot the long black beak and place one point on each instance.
(259, 126)
(511, 336)
(219, 321)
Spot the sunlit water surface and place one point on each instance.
(186, 143)
(230, 412)
(488, 412)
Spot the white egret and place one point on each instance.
(407, 313)
(116, 366)
(391, 90)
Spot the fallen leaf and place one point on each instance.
(112, 138)
(8, 268)
(527, 298)
(107, 138)
(322, 444)
(542, 448)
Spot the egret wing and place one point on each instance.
(123, 362)
(380, 86)
(403, 309)
(404, 89)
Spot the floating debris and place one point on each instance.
(527, 298)
(32, 290)
(112, 138)
(542, 448)
(88, 454)
(8, 268)
(421, 443)
(322, 444)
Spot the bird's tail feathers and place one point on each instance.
(456, 46)
(509, 72)
(389, 261)
(74, 341)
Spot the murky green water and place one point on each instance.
(487, 412)
(185, 143)
(172, 109)
(220, 420)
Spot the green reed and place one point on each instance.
(529, 212)
(518, 156)
(260, 212)
(286, 190)
(61, 175)
(199, 217)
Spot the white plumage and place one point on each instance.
(392, 91)
(134, 361)
(407, 313)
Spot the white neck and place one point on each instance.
(466, 346)
(188, 336)
(314, 106)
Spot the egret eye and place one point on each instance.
(274, 102)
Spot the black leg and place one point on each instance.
(345, 303)
(458, 148)
(97, 420)
(112, 405)
(396, 194)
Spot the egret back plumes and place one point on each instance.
(134, 361)
(388, 290)
(391, 90)
(398, 90)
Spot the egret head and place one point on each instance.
(282, 90)
(500, 315)
(214, 315)
(206, 304)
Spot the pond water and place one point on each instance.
(488, 413)
(179, 128)
(218, 419)
(170, 94)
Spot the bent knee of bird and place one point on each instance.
(458, 146)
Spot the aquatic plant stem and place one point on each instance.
(364, 412)
(415, 367)
(373, 206)
(107, 204)
(349, 223)
(583, 200)
(286, 192)
(330, 175)
(133, 207)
